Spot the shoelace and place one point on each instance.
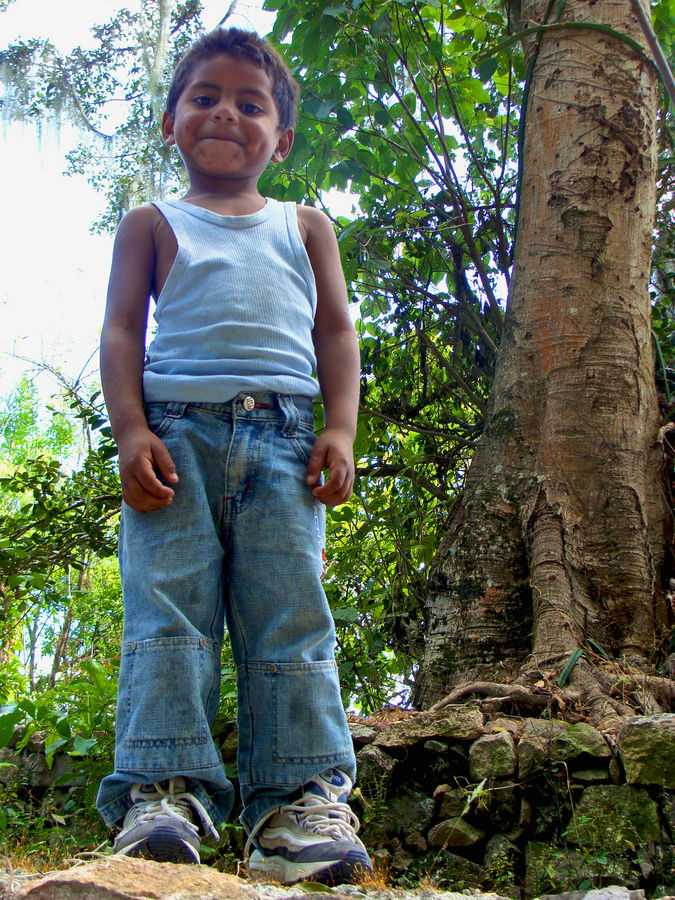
(176, 804)
(317, 815)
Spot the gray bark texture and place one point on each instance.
(560, 533)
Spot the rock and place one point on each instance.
(453, 803)
(446, 870)
(617, 817)
(612, 892)
(535, 743)
(549, 870)
(10, 766)
(375, 768)
(493, 756)
(647, 749)
(578, 740)
(499, 848)
(589, 776)
(454, 833)
(410, 809)
(416, 843)
(124, 878)
(362, 734)
(455, 722)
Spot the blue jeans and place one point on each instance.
(242, 543)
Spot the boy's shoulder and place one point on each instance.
(140, 217)
(314, 223)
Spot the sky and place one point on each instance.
(53, 271)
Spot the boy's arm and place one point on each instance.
(122, 355)
(338, 362)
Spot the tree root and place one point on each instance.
(605, 696)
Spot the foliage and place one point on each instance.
(113, 92)
(57, 512)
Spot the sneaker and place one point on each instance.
(163, 823)
(312, 839)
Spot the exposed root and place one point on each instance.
(515, 692)
(598, 691)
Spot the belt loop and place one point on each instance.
(291, 413)
(176, 409)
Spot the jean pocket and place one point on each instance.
(165, 688)
(303, 441)
(297, 715)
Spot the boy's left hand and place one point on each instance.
(332, 451)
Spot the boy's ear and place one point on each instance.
(284, 145)
(167, 129)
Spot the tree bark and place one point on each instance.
(559, 537)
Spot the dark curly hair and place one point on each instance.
(240, 45)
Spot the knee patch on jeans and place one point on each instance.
(166, 698)
(291, 722)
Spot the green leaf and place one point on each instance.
(487, 68)
(569, 665)
(82, 746)
(9, 719)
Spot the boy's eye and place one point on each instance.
(250, 109)
(202, 101)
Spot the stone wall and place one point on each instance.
(521, 807)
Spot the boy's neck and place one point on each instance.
(226, 203)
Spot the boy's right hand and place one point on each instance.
(142, 455)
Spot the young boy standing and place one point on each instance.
(223, 517)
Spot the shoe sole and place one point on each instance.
(350, 870)
(162, 845)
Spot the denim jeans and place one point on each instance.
(242, 544)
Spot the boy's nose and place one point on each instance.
(224, 111)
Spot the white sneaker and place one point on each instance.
(163, 823)
(313, 838)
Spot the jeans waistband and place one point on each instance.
(291, 408)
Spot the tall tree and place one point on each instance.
(555, 552)
(559, 542)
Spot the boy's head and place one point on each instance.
(239, 45)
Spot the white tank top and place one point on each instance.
(237, 310)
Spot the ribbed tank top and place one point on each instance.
(237, 310)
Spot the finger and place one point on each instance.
(315, 466)
(164, 462)
(150, 483)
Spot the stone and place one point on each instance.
(415, 842)
(549, 870)
(579, 740)
(611, 892)
(616, 817)
(493, 756)
(375, 768)
(453, 803)
(590, 776)
(535, 743)
(455, 833)
(228, 747)
(362, 734)
(410, 809)
(448, 871)
(647, 749)
(499, 847)
(10, 766)
(125, 878)
(463, 722)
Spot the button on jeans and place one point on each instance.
(242, 543)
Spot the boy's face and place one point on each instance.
(226, 124)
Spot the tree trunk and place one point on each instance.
(559, 537)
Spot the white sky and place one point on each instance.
(54, 272)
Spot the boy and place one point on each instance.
(221, 479)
